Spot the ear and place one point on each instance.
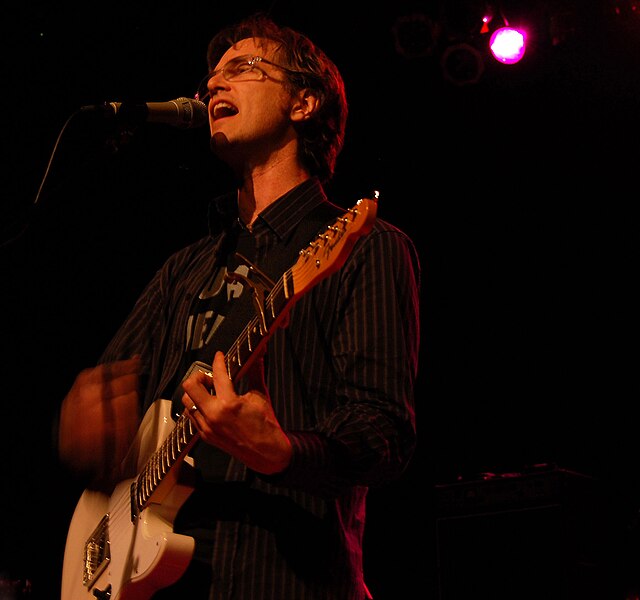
(304, 105)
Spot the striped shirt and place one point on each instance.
(341, 379)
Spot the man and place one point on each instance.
(284, 454)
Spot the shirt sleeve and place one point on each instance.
(369, 435)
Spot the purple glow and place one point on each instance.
(507, 45)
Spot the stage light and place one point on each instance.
(508, 45)
(466, 44)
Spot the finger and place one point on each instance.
(90, 387)
(198, 379)
(196, 385)
(188, 403)
(124, 372)
(221, 378)
(121, 368)
(123, 385)
(192, 413)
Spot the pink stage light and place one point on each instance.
(507, 45)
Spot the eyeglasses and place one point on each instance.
(241, 68)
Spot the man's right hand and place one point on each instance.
(99, 419)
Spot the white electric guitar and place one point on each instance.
(122, 546)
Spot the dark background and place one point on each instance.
(517, 183)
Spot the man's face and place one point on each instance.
(249, 106)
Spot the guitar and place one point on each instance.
(122, 546)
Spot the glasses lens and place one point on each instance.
(241, 69)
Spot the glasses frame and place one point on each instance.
(249, 59)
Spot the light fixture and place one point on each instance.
(462, 64)
(508, 44)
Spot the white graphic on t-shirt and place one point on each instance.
(202, 325)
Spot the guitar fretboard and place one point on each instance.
(174, 447)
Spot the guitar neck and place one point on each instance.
(163, 461)
(269, 316)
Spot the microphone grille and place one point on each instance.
(195, 112)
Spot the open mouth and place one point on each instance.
(224, 109)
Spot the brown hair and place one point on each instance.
(322, 136)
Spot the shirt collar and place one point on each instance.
(283, 215)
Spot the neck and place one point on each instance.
(262, 186)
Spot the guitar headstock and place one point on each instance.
(330, 248)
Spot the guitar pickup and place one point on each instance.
(97, 553)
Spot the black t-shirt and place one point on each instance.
(217, 317)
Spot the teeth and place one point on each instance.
(223, 108)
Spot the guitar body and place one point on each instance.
(107, 555)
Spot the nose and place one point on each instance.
(207, 87)
(215, 83)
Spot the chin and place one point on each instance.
(218, 142)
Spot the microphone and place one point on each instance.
(185, 113)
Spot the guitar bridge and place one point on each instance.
(97, 553)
